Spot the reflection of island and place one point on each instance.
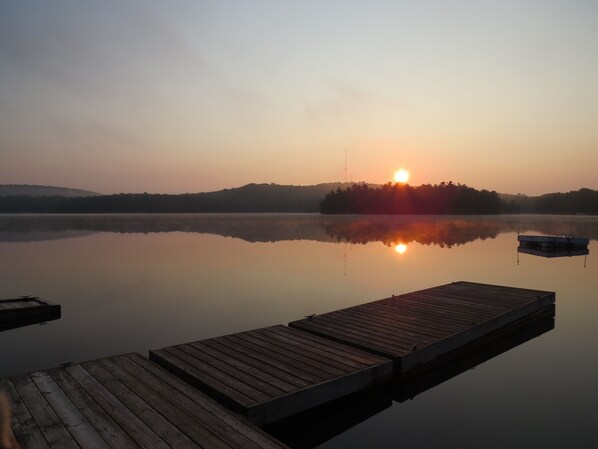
(397, 231)
(390, 230)
(316, 426)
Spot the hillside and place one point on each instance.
(35, 190)
(584, 201)
(265, 198)
(249, 198)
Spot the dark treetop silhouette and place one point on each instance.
(403, 199)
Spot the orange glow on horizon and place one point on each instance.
(401, 248)
(401, 176)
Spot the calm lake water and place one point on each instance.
(137, 282)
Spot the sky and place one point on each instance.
(190, 96)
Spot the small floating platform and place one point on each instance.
(554, 252)
(122, 402)
(271, 373)
(416, 328)
(26, 310)
(548, 241)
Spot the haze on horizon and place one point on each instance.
(189, 96)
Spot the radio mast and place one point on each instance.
(345, 165)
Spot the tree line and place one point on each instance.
(246, 199)
(440, 199)
(403, 199)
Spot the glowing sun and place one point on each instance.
(401, 248)
(401, 176)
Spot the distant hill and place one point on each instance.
(249, 198)
(265, 198)
(35, 190)
(256, 198)
(582, 201)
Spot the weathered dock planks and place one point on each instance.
(271, 373)
(312, 428)
(421, 379)
(124, 401)
(26, 310)
(416, 328)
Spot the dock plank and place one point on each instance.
(221, 419)
(276, 371)
(48, 422)
(280, 359)
(124, 401)
(166, 435)
(175, 406)
(300, 356)
(416, 328)
(83, 433)
(307, 370)
(30, 435)
(103, 422)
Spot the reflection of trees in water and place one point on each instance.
(445, 233)
(249, 227)
(576, 225)
(440, 230)
(451, 231)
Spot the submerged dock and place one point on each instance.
(26, 310)
(416, 328)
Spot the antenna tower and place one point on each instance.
(345, 165)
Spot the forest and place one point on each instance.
(331, 198)
(403, 199)
(251, 198)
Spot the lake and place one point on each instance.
(130, 283)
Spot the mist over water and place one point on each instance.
(136, 282)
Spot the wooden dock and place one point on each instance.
(271, 373)
(416, 328)
(26, 310)
(553, 252)
(549, 241)
(122, 402)
(422, 379)
(312, 428)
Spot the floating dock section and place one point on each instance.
(416, 328)
(26, 310)
(122, 402)
(553, 252)
(551, 242)
(271, 373)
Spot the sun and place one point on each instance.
(401, 248)
(401, 176)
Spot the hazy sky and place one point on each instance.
(188, 96)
